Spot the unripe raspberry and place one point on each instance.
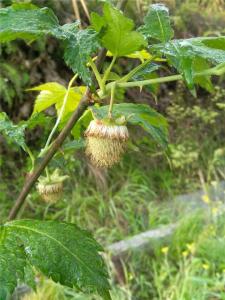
(50, 192)
(51, 189)
(106, 142)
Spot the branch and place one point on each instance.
(217, 71)
(49, 155)
(84, 103)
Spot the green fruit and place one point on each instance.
(106, 142)
(51, 188)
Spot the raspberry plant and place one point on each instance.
(63, 251)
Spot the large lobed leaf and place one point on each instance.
(117, 34)
(157, 23)
(61, 251)
(28, 22)
(139, 114)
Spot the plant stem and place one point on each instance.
(27, 149)
(106, 75)
(47, 174)
(111, 100)
(135, 70)
(97, 74)
(60, 114)
(218, 70)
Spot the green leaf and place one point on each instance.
(139, 114)
(61, 251)
(78, 48)
(199, 65)
(37, 119)
(157, 24)
(145, 71)
(26, 21)
(183, 54)
(73, 145)
(53, 93)
(13, 133)
(82, 124)
(12, 263)
(117, 34)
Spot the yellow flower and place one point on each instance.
(185, 253)
(165, 250)
(205, 266)
(191, 247)
(205, 198)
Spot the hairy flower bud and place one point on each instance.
(106, 142)
(51, 189)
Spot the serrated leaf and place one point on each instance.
(61, 251)
(183, 53)
(53, 93)
(157, 23)
(29, 22)
(79, 45)
(26, 21)
(13, 133)
(139, 114)
(117, 34)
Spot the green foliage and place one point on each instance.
(191, 55)
(157, 24)
(29, 22)
(79, 45)
(145, 72)
(26, 21)
(13, 133)
(139, 114)
(117, 33)
(199, 65)
(61, 251)
(53, 93)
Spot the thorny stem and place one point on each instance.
(218, 70)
